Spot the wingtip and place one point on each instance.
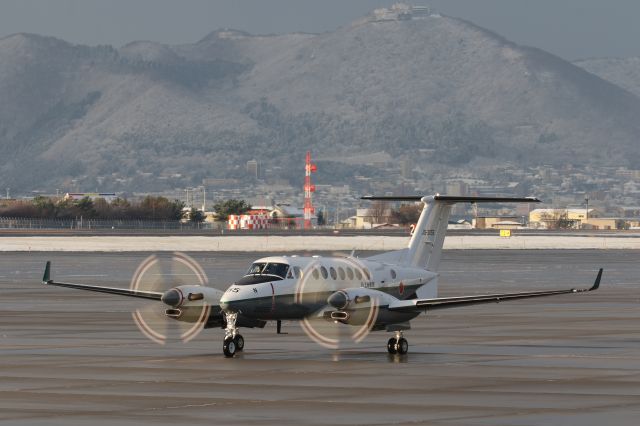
(596, 284)
(46, 278)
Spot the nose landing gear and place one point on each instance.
(233, 341)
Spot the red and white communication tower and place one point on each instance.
(308, 190)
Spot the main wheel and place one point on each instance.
(391, 345)
(239, 341)
(402, 347)
(229, 347)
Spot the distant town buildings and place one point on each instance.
(498, 222)
(612, 194)
(253, 169)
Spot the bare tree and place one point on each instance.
(407, 214)
(557, 220)
(379, 211)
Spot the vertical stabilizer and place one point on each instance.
(425, 246)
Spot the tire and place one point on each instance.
(391, 346)
(402, 347)
(239, 341)
(229, 347)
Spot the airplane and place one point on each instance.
(382, 292)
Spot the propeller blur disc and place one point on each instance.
(157, 321)
(316, 284)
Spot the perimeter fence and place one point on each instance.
(100, 224)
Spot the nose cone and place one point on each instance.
(229, 297)
(338, 300)
(172, 297)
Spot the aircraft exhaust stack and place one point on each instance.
(340, 316)
(173, 313)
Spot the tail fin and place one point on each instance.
(425, 246)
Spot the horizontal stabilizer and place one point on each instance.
(454, 199)
(392, 198)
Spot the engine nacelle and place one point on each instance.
(354, 298)
(185, 295)
(364, 306)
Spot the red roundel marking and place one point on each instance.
(401, 287)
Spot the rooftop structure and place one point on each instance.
(401, 12)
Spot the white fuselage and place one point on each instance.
(292, 287)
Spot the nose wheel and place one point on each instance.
(233, 341)
(398, 344)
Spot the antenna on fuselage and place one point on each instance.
(279, 327)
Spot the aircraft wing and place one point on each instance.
(46, 279)
(454, 302)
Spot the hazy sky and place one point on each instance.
(569, 28)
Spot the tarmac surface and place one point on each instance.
(70, 357)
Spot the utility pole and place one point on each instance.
(586, 213)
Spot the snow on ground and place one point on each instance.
(303, 243)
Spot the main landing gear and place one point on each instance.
(233, 341)
(398, 344)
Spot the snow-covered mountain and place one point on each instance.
(439, 83)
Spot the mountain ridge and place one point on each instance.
(623, 72)
(440, 85)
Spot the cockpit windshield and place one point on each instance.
(277, 269)
(264, 272)
(256, 269)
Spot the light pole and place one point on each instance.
(586, 213)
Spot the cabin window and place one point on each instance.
(297, 271)
(358, 274)
(333, 273)
(324, 272)
(350, 273)
(393, 274)
(290, 274)
(367, 274)
(341, 273)
(315, 273)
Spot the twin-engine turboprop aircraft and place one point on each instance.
(382, 292)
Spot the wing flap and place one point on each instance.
(455, 302)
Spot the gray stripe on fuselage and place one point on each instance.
(284, 306)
